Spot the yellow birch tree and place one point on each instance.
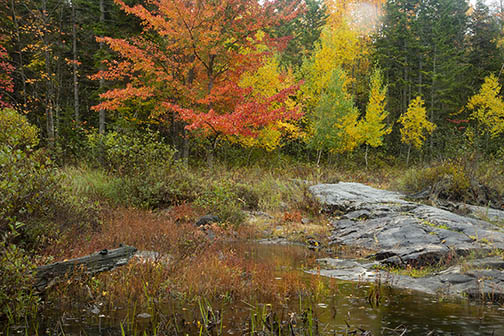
(488, 107)
(372, 126)
(415, 126)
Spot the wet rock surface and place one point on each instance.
(409, 234)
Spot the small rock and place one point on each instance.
(210, 234)
(305, 221)
(456, 278)
(144, 315)
(261, 214)
(207, 219)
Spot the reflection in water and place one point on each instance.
(418, 312)
(335, 305)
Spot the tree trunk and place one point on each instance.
(185, 133)
(407, 157)
(433, 101)
(365, 156)
(74, 65)
(104, 260)
(211, 151)
(420, 77)
(49, 99)
(213, 144)
(319, 155)
(404, 91)
(20, 66)
(185, 147)
(101, 122)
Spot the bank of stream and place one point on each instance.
(335, 308)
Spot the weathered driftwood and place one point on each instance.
(104, 260)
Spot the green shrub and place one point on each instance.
(159, 187)
(143, 171)
(183, 185)
(156, 187)
(451, 175)
(128, 154)
(459, 180)
(247, 196)
(220, 199)
(17, 133)
(90, 183)
(31, 189)
(32, 193)
(17, 294)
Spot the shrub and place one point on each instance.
(247, 196)
(92, 183)
(449, 175)
(31, 191)
(159, 187)
(17, 133)
(221, 200)
(156, 187)
(17, 295)
(144, 172)
(452, 180)
(128, 154)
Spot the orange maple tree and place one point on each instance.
(189, 60)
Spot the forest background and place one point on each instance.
(213, 82)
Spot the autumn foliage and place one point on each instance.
(190, 59)
(488, 107)
(6, 84)
(415, 125)
(373, 124)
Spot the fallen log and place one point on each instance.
(101, 261)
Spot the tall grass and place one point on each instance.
(93, 183)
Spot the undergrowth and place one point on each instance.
(468, 181)
(190, 265)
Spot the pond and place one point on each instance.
(337, 308)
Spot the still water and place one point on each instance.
(419, 313)
(340, 308)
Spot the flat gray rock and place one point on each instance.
(415, 233)
(487, 285)
(402, 233)
(488, 263)
(344, 269)
(485, 213)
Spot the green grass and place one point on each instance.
(92, 183)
